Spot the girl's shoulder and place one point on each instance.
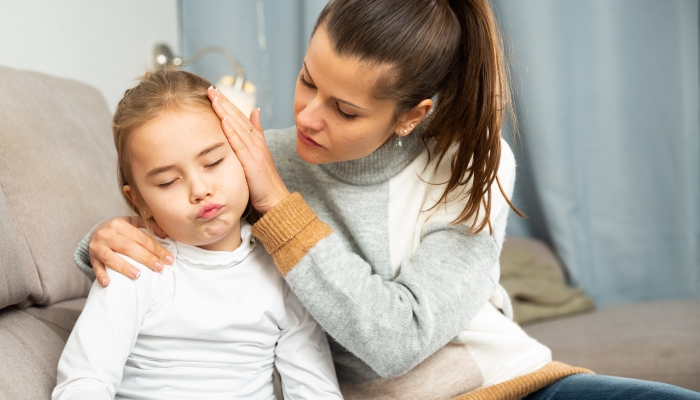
(147, 278)
(147, 285)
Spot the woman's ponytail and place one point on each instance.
(470, 107)
(448, 48)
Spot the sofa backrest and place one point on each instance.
(14, 285)
(58, 178)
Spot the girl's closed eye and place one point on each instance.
(215, 163)
(166, 184)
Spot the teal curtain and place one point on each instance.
(607, 97)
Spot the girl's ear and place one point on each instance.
(131, 195)
(413, 117)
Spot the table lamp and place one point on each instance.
(237, 89)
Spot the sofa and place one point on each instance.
(58, 178)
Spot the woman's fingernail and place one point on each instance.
(211, 87)
(104, 282)
(169, 259)
(159, 266)
(135, 273)
(216, 99)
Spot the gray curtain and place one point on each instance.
(607, 96)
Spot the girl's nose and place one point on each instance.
(199, 190)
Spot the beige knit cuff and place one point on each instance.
(522, 386)
(289, 231)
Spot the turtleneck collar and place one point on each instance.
(196, 257)
(380, 166)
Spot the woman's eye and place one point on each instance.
(215, 163)
(305, 82)
(346, 116)
(166, 184)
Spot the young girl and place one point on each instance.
(217, 322)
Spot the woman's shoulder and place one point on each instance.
(507, 165)
(442, 168)
(437, 172)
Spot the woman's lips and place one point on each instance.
(209, 211)
(306, 140)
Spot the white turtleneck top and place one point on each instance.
(212, 326)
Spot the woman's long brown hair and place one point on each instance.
(451, 49)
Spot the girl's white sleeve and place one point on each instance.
(302, 355)
(92, 362)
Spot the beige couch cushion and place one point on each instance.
(14, 285)
(31, 342)
(30, 351)
(57, 172)
(658, 341)
(59, 317)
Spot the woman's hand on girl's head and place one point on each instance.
(248, 142)
(122, 235)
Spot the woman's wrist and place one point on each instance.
(289, 230)
(273, 201)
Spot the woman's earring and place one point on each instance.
(398, 143)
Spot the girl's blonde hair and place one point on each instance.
(157, 91)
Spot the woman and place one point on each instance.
(393, 230)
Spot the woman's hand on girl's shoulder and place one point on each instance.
(248, 142)
(122, 235)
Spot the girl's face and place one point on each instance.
(189, 178)
(337, 117)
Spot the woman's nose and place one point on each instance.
(309, 116)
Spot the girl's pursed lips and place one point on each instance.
(209, 211)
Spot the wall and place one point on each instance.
(106, 44)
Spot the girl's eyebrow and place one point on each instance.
(158, 170)
(210, 149)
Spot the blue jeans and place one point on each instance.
(588, 386)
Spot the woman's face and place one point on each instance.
(337, 118)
